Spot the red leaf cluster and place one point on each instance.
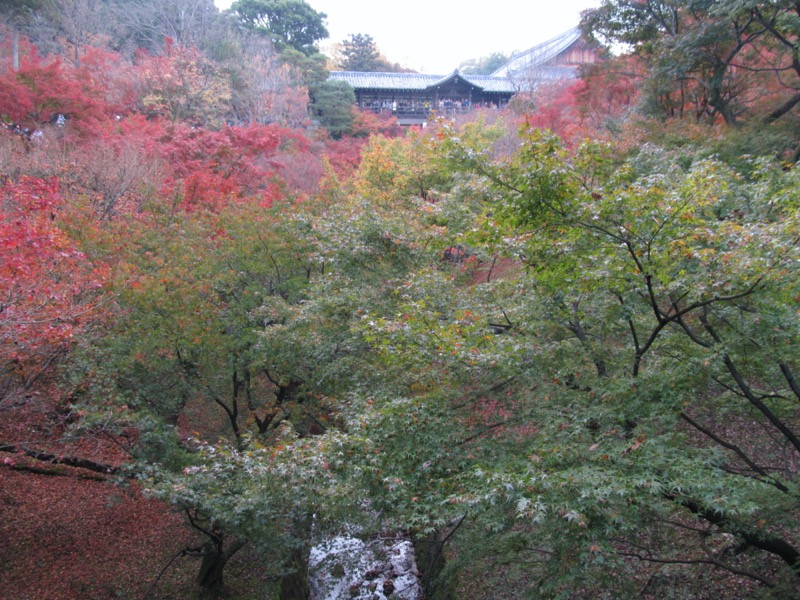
(48, 288)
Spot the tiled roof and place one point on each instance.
(491, 84)
(418, 81)
(539, 55)
(385, 81)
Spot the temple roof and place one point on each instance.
(418, 81)
(539, 55)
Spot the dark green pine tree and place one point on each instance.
(359, 53)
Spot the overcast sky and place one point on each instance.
(434, 37)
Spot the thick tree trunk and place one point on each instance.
(294, 585)
(724, 109)
(210, 576)
(430, 560)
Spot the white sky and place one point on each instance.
(434, 37)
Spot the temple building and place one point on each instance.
(413, 97)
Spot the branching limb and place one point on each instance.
(736, 450)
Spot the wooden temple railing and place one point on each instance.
(423, 109)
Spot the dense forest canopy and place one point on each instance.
(555, 346)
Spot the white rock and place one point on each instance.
(348, 568)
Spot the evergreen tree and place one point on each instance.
(288, 23)
(485, 65)
(333, 106)
(359, 53)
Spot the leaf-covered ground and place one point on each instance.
(71, 534)
(66, 537)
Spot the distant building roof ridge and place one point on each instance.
(540, 54)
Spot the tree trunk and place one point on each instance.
(211, 569)
(15, 48)
(430, 560)
(294, 585)
(210, 576)
(717, 100)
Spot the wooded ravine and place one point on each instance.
(553, 348)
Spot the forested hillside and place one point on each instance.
(554, 346)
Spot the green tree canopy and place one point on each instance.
(359, 53)
(288, 23)
(697, 52)
(685, 42)
(310, 68)
(333, 106)
(485, 65)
